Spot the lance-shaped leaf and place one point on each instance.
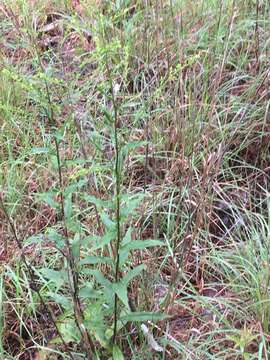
(120, 289)
(143, 316)
(117, 353)
(132, 274)
(91, 260)
(136, 245)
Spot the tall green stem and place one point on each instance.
(117, 197)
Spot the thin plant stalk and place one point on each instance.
(88, 343)
(117, 198)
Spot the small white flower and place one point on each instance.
(150, 339)
(116, 88)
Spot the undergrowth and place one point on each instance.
(134, 204)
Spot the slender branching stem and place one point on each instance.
(117, 172)
(88, 343)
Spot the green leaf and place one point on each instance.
(143, 316)
(127, 237)
(73, 225)
(49, 198)
(68, 207)
(59, 277)
(74, 187)
(124, 253)
(108, 116)
(76, 246)
(34, 239)
(131, 204)
(82, 172)
(69, 331)
(98, 276)
(55, 237)
(109, 224)
(94, 320)
(39, 150)
(97, 242)
(133, 273)
(117, 353)
(133, 145)
(88, 291)
(61, 300)
(90, 260)
(120, 289)
(99, 202)
(53, 161)
(104, 240)
(141, 244)
(59, 134)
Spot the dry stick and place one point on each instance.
(31, 273)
